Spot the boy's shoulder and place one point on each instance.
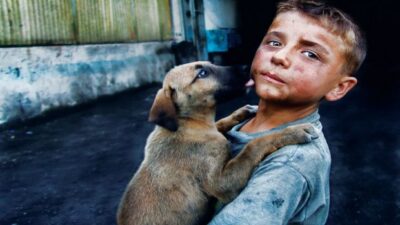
(317, 150)
(304, 158)
(310, 160)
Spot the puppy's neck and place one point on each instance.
(198, 122)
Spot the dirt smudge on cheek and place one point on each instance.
(299, 69)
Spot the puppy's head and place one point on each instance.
(193, 90)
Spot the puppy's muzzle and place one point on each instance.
(232, 81)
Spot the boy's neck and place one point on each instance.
(270, 115)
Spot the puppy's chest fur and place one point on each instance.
(175, 170)
(184, 154)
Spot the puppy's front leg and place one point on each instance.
(239, 115)
(228, 182)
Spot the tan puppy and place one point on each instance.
(187, 161)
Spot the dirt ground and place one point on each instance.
(72, 166)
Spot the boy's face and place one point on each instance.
(298, 62)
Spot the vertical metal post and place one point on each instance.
(199, 32)
(194, 26)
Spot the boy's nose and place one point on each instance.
(281, 57)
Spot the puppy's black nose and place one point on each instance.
(244, 68)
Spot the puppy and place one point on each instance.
(187, 161)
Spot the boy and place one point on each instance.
(309, 53)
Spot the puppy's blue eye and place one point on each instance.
(202, 73)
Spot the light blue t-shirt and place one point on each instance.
(290, 186)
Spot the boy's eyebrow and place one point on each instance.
(276, 33)
(314, 44)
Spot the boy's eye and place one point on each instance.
(311, 55)
(274, 43)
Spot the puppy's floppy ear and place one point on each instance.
(163, 111)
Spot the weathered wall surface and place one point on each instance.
(36, 79)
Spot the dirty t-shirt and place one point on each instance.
(290, 186)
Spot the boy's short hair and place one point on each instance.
(337, 22)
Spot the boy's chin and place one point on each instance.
(265, 92)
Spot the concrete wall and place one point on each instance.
(36, 79)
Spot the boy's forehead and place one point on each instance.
(289, 19)
(304, 26)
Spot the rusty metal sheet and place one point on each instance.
(48, 22)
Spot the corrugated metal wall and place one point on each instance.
(46, 22)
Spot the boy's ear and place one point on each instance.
(345, 84)
(163, 112)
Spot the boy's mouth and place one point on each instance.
(272, 78)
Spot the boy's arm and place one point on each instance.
(274, 194)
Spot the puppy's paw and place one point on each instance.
(299, 134)
(238, 116)
(243, 113)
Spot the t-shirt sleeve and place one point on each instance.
(273, 195)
